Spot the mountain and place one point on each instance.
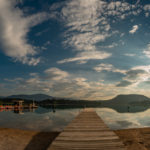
(37, 97)
(118, 100)
(120, 103)
(131, 97)
(128, 99)
(128, 103)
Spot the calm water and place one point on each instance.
(48, 120)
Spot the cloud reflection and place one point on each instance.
(116, 120)
(47, 120)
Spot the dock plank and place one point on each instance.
(87, 132)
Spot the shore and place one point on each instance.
(16, 139)
(134, 139)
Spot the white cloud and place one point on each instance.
(132, 77)
(146, 7)
(14, 27)
(111, 45)
(87, 23)
(60, 83)
(83, 57)
(145, 68)
(56, 74)
(122, 9)
(134, 29)
(83, 19)
(130, 54)
(108, 67)
(135, 76)
(122, 34)
(147, 14)
(147, 50)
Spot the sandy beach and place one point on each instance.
(135, 139)
(16, 139)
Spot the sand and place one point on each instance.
(135, 139)
(15, 139)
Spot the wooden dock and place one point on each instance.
(87, 132)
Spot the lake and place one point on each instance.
(43, 119)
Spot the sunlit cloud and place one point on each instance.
(135, 76)
(91, 49)
(108, 67)
(134, 29)
(60, 83)
(87, 25)
(131, 77)
(14, 27)
(83, 57)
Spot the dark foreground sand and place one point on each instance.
(15, 139)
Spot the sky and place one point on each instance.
(81, 49)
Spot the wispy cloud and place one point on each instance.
(147, 9)
(111, 45)
(56, 74)
(108, 67)
(147, 50)
(132, 76)
(124, 83)
(130, 54)
(87, 24)
(134, 29)
(82, 20)
(135, 76)
(60, 83)
(14, 27)
(84, 56)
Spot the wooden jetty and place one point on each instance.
(87, 132)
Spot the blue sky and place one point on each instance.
(85, 49)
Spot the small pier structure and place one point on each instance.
(18, 106)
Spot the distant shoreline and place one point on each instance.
(134, 139)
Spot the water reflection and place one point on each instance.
(119, 108)
(18, 110)
(41, 119)
(22, 111)
(117, 120)
(53, 108)
(53, 119)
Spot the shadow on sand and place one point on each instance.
(41, 141)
